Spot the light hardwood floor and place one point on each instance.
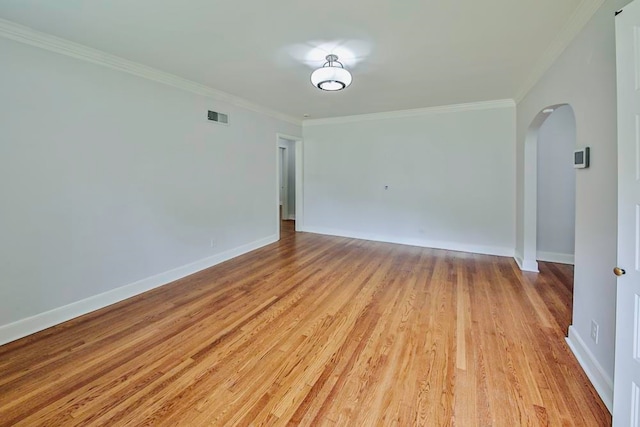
(316, 330)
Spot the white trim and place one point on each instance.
(580, 17)
(451, 246)
(456, 108)
(22, 34)
(597, 375)
(556, 257)
(39, 322)
(526, 265)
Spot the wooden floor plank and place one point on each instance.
(316, 330)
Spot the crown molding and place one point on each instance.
(584, 12)
(26, 35)
(455, 108)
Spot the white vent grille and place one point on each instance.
(222, 118)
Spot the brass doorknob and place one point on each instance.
(619, 271)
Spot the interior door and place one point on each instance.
(626, 399)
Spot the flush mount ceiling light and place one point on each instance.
(331, 76)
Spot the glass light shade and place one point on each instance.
(331, 78)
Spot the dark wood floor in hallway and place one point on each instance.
(316, 330)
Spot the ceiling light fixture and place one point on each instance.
(332, 75)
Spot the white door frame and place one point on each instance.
(299, 203)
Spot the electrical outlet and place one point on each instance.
(594, 331)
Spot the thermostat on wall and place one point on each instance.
(581, 158)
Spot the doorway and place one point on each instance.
(283, 166)
(289, 178)
(528, 259)
(556, 188)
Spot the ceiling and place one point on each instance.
(403, 54)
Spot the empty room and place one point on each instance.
(362, 213)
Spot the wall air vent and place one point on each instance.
(218, 117)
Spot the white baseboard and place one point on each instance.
(555, 257)
(451, 246)
(39, 322)
(526, 265)
(597, 375)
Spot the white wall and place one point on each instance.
(107, 179)
(450, 178)
(584, 77)
(556, 187)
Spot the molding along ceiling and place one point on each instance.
(403, 56)
(475, 106)
(51, 43)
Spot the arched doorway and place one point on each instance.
(566, 122)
